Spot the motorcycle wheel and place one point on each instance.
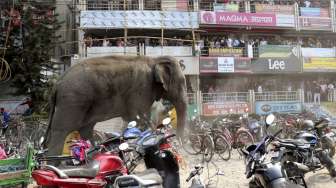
(222, 148)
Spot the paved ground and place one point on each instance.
(234, 169)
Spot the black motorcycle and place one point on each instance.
(265, 174)
(304, 153)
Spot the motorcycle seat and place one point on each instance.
(86, 171)
(147, 178)
(294, 143)
(150, 174)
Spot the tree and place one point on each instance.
(31, 46)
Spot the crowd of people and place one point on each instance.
(317, 91)
(235, 41)
(92, 41)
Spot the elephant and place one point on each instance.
(102, 88)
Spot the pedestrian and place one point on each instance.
(324, 90)
(317, 93)
(29, 103)
(309, 88)
(330, 92)
(5, 118)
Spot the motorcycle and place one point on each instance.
(101, 170)
(304, 153)
(197, 182)
(78, 149)
(155, 148)
(265, 174)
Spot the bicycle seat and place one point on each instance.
(87, 171)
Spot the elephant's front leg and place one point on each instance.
(86, 132)
(56, 143)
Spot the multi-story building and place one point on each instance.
(229, 48)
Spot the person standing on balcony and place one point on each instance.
(317, 93)
(307, 3)
(229, 42)
(105, 42)
(330, 92)
(309, 91)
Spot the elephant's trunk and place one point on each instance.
(181, 111)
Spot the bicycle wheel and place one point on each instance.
(222, 147)
(208, 148)
(195, 142)
(243, 139)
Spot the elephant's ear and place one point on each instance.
(163, 70)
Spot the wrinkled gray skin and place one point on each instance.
(99, 89)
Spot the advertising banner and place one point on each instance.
(208, 65)
(315, 23)
(319, 65)
(276, 50)
(242, 65)
(276, 65)
(267, 107)
(285, 20)
(314, 12)
(13, 106)
(318, 52)
(138, 19)
(225, 64)
(190, 65)
(222, 108)
(282, 9)
(175, 5)
(236, 52)
(169, 50)
(230, 18)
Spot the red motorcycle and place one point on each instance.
(102, 168)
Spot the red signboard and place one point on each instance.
(231, 18)
(222, 108)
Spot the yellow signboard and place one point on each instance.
(316, 64)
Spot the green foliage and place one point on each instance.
(31, 47)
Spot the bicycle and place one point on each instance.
(237, 136)
(200, 140)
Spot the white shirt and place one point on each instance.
(259, 89)
(330, 86)
(229, 42)
(307, 3)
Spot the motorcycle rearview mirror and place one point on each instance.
(123, 146)
(132, 124)
(41, 141)
(270, 120)
(166, 121)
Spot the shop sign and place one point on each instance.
(282, 9)
(208, 65)
(318, 23)
(319, 65)
(189, 65)
(276, 65)
(230, 18)
(138, 19)
(276, 50)
(267, 107)
(225, 64)
(228, 52)
(318, 52)
(222, 108)
(242, 65)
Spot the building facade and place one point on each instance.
(229, 48)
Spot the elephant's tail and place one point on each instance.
(52, 101)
